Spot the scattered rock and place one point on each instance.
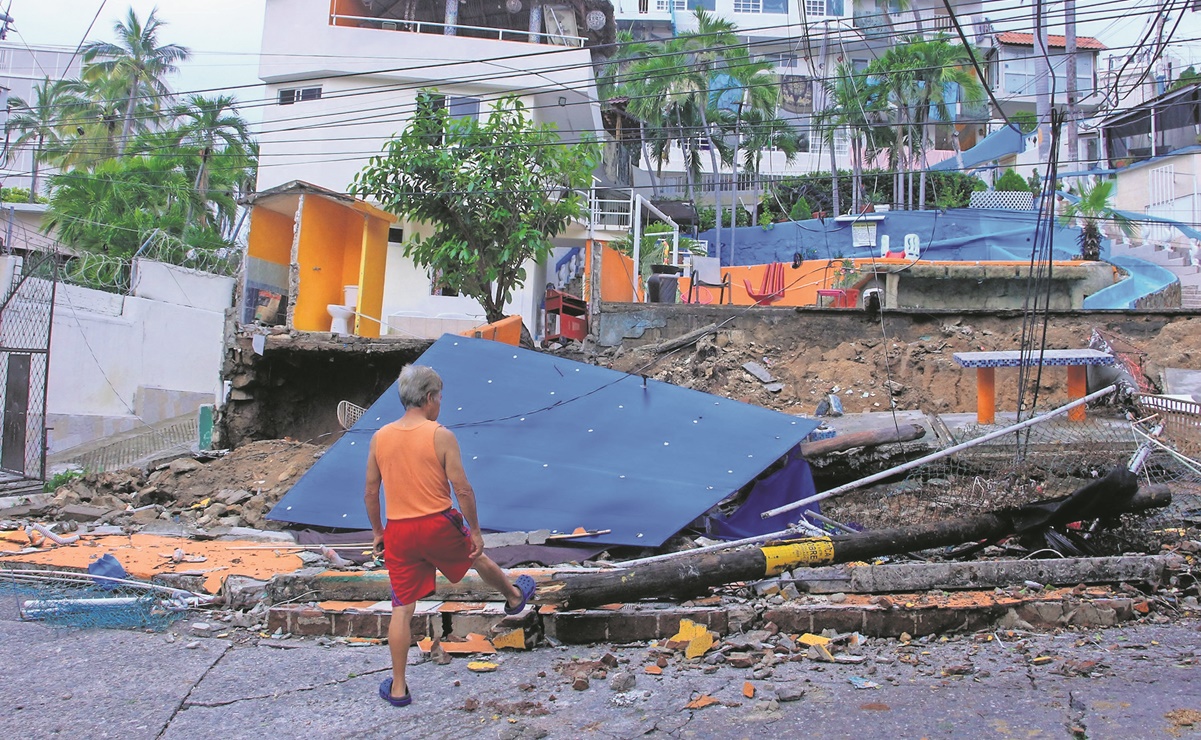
(622, 681)
(580, 684)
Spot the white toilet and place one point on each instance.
(344, 313)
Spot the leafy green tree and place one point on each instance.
(114, 208)
(139, 62)
(495, 193)
(1188, 77)
(38, 126)
(1092, 207)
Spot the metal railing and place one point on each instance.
(610, 213)
(500, 34)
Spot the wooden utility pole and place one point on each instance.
(1069, 42)
(687, 575)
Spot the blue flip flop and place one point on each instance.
(526, 586)
(385, 693)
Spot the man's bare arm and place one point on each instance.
(371, 499)
(447, 448)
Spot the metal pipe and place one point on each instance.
(938, 455)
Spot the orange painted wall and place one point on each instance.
(325, 237)
(348, 7)
(374, 253)
(270, 236)
(616, 272)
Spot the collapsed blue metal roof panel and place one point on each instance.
(549, 443)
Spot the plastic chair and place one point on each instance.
(348, 414)
(772, 289)
(706, 273)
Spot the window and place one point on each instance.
(463, 107)
(438, 285)
(748, 6)
(1020, 73)
(396, 235)
(298, 94)
(823, 7)
(664, 6)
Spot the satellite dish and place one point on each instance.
(595, 20)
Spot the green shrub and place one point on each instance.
(1012, 181)
(800, 210)
(58, 480)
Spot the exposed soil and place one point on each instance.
(909, 364)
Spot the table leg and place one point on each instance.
(986, 395)
(1077, 389)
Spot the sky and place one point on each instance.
(224, 35)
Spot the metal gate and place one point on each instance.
(26, 313)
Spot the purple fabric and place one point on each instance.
(792, 482)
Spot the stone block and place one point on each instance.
(82, 512)
(299, 620)
(577, 627)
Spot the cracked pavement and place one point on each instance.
(1138, 680)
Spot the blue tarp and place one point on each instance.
(1003, 142)
(549, 443)
(971, 234)
(792, 482)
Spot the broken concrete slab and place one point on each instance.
(757, 371)
(903, 577)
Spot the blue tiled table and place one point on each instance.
(986, 363)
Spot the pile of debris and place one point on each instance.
(234, 490)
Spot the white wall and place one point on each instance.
(158, 281)
(119, 362)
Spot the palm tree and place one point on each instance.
(139, 61)
(1093, 206)
(943, 66)
(614, 82)
(40, 124)
(855, 107)
(211, 127)
(894, 78)
(93, 130)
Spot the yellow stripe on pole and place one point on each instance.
(812, 551)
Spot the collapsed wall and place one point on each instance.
(288, 385)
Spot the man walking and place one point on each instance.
(418, 462)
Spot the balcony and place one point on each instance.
(471, 21)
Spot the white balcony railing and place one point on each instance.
(429, 27)
(611, 214)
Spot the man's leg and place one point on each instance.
(400, 636)
(496, 578)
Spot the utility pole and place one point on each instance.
(1069, 42)
(1042, 81)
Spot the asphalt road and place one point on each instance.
(127, 684)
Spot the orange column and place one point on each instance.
(986, 395)
(1077, 388)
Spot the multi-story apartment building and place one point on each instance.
(21, 68)
(806, 39)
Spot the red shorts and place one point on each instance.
(414, 548)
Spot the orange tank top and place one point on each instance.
(414, 480)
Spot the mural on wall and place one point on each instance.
(796, 104)
(796, 94)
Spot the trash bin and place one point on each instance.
(661, 288)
